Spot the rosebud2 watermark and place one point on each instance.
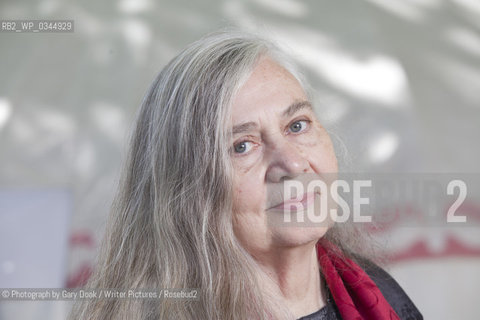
(413, 199)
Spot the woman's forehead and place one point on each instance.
(269, 86)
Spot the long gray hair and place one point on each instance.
(171, 221)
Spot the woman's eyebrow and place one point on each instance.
(296, 106)
(244, 127)
(290, 111)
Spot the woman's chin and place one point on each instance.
(298, 236)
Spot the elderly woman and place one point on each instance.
(227, 121)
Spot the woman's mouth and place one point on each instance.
(296, 204)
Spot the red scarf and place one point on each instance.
(356, 296)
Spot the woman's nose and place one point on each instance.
(286, 161)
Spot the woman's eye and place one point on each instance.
(242, 147)
(298, 126)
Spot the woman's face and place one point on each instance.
(276, 138)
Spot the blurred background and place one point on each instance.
(397, 84)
